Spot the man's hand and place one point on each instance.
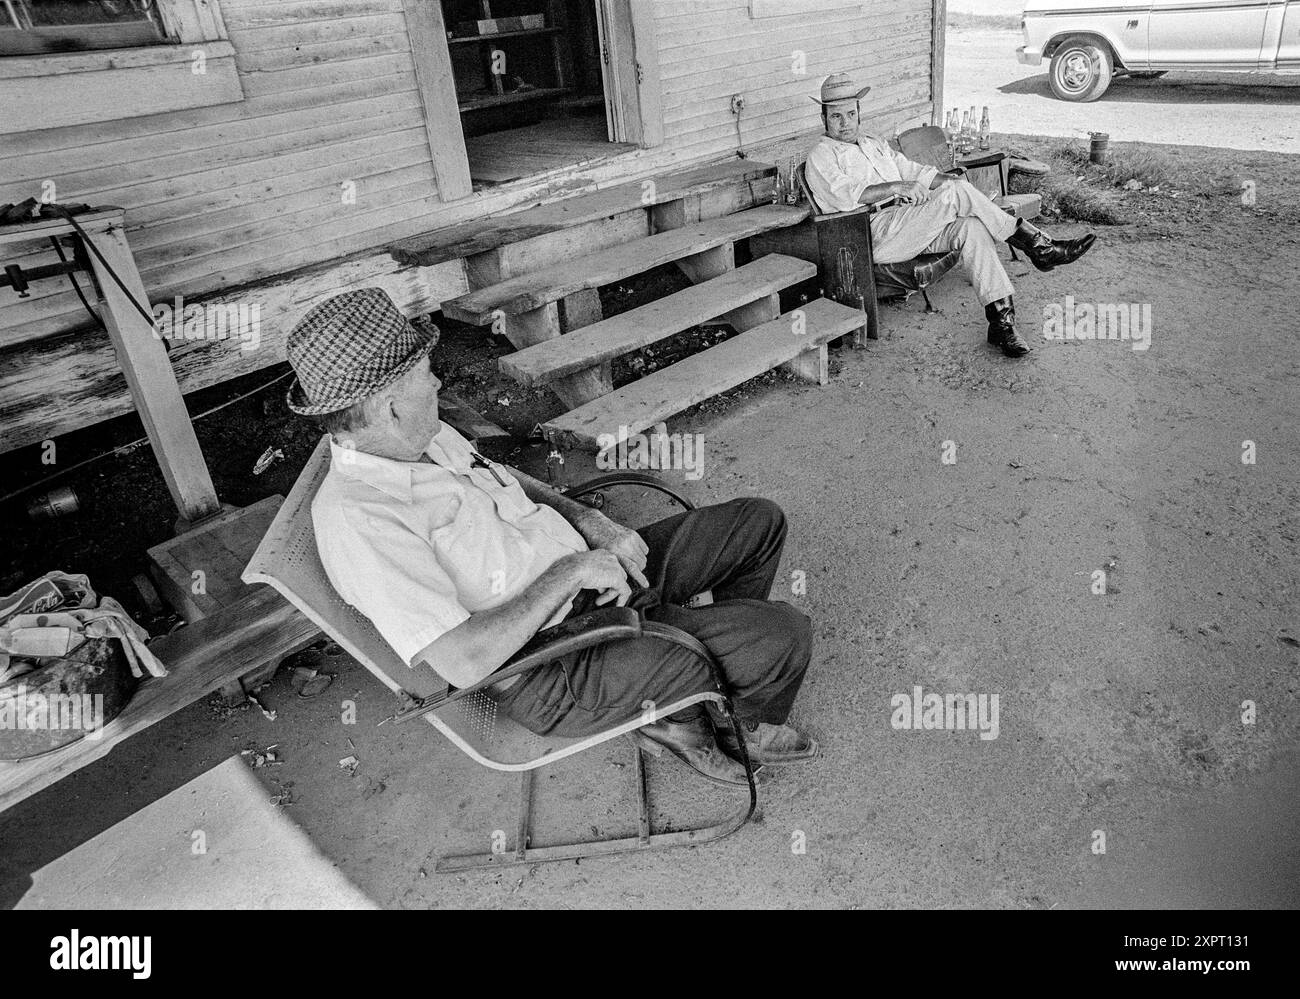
(626, 545)
(598, 570)
(911, 192)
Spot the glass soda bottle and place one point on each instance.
(984, 129)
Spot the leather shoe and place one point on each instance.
(769, 744)
(1043, 251)
(692, 743)
(1002, 328)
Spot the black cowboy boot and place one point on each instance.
(1043, 251)
(1002, 328)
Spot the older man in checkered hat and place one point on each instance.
(937, 211)
(459, 561)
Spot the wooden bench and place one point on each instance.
(715, 298)
(521, 239)
(525, 308)
(797, 339)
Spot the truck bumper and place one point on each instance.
(1027, 56)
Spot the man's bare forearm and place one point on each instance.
(478, 646)
(877, 192)
(539, 492)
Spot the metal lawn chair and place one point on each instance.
(288, 560)
(988, 171)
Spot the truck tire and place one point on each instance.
(1081, 69)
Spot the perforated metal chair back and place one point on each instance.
(288, 559)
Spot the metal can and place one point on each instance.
(56, 503)
(1100, 147)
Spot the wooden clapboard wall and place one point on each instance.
(711, 49)
(222, 196)
(243, 203)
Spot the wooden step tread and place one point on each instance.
(481, 235)
(654, 321)
(537, 288)
(670, 390)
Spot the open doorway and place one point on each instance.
(530, 86)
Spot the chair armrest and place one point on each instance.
(868, 209)
(596, 627)
(627, 478)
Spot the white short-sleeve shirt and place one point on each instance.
(838, 172)
(419, 546)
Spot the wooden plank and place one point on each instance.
(542, 324)
(200, 658)
(150, 378)
(649, 88)
(709, 264)
(529, 291)
(655, 320)
(58, 384)
(670, 390)
(466, 420)
(938, 36)
(810, 366)
(469, 238)
(570, 243)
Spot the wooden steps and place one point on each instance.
(603, 341)
(542, 287)
(482, 235)
(657, 396)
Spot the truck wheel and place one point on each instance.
(1081, 70)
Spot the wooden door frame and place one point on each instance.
(433, 75)
(631, 71)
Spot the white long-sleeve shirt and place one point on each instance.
(838, 172)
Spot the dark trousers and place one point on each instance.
(763, 646)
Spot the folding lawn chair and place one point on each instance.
(288, 560)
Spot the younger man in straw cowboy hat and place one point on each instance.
(459, 561)
(939, 211)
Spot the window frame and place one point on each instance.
(196, 63)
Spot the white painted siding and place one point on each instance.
(711, 49)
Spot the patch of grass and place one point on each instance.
(983, 22)
(1074, 200)
(1149, 168)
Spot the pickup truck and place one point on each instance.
(1089, 42)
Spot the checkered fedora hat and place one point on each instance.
(349, 347)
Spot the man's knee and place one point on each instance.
(760, 513)
(790, 629)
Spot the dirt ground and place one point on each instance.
(1245, 111)
(1119, 713)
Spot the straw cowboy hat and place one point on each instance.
(349, 347)
(839, 87)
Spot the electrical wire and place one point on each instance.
(85, 236)
(76, 286)
(135, 443)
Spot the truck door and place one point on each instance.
(1209, 34)
(1282, 36)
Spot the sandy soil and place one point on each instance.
(1119, 713)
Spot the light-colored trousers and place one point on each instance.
(957, 216)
